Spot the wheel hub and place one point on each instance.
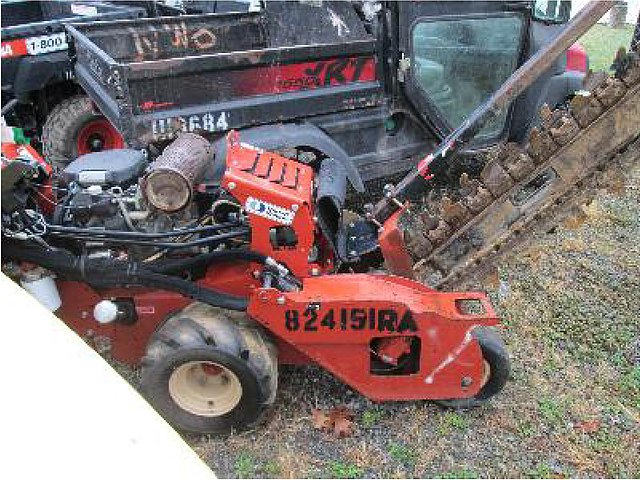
(98, 135)
(205, 388)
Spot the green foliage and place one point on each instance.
(272, 468)
(630, 382)
(541, 470)
(551, 410)
(403, 453)
(371, 417)
(245, 466)
(525, 429)
(452, 421)
(344, 470)
(462, 473)
(456, 420)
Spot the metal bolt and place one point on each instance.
(294, 207)
(315, 272)
(85, 314)
(466, 381)
(280, 300)
(353, 253)
(256, 274)
(232, 185)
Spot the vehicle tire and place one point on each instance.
(74, 128)
(209, 370)
(496, 359)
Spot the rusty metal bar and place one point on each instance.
(517, 83)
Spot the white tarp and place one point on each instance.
(65, 413)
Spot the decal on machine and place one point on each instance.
(381, 320)
(34, 45)
(208, 122)
(269, 210)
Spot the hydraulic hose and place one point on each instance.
(140, 235)
(111, 273)
(187, 264)
(148, 243)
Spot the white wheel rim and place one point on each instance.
(486, 373)
(205, 388)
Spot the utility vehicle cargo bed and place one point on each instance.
(209, 73)
(34, 43)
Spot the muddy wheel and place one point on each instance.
(207, 370)
(74, 128)
(496, 370)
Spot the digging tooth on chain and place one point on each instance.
(516, 162)
(585, 108)
(541, 146)
(561, 126)
(442, 232)
(418, 244)
(450, 256)
(455, 214)
(610, 91)
(593, 80)
(495, 178)
(476, 196)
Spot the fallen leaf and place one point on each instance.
(340, 412)
(320, 419)
(343, 427)
(588, 426)
(337, 420)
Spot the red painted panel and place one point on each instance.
(577, 58)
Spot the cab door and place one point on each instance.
(458, 54)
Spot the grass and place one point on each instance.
(371, 417)
(403, 454)
(344, 470)
(245, 466)
(460, 473)
(551, 410)
(601, 43)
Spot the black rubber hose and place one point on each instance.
(106, 272)
(173, 284)
(140, 235)
(148, 243)
(187, 264)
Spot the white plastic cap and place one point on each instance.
(105, 311)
